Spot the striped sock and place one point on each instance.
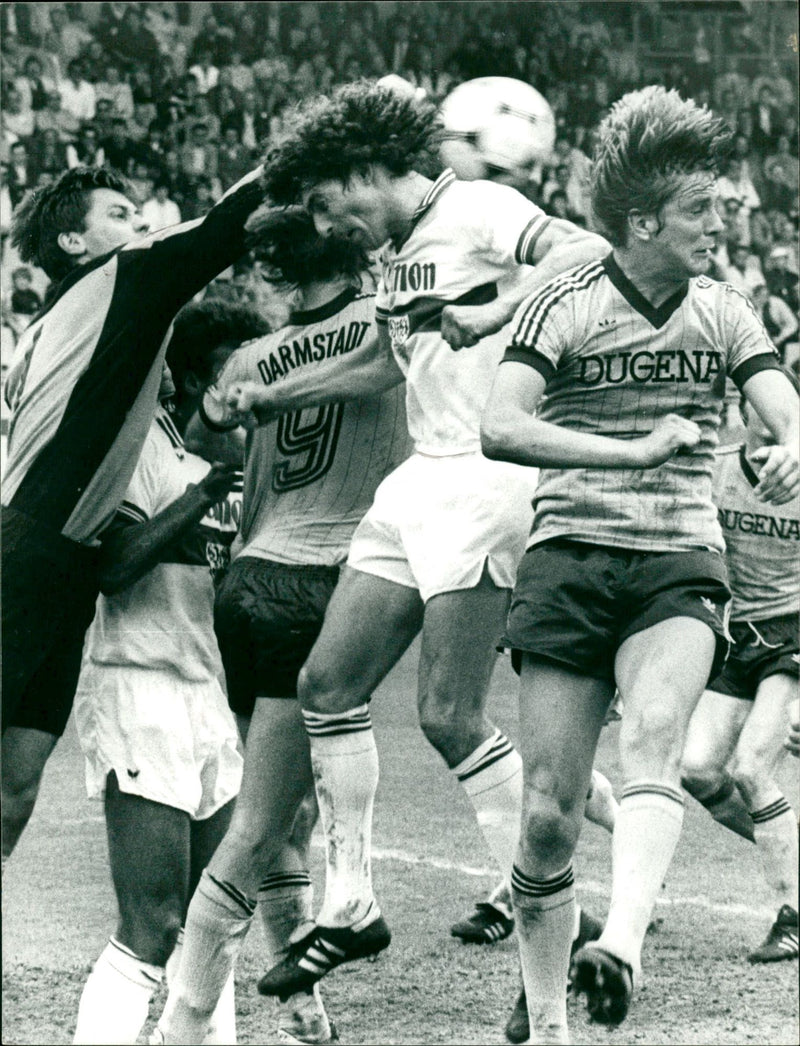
(492, 779)
(775, 830)
(344, 761)
(645, 836)
(545, 910)
(285, 902)
(217, 922)
(116, 997)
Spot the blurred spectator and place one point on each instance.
(25, 302)
(65, 39)
(20, 173)
(743, 270)
(65, 123)
(86, 151)
(77, 94)
(780, 321)
(767, 122)
(234, 160)
(199, 156)
(225, 101)
(240, 76)
(736, 185)
(139, 124)
(205, 72)
(165, 79)
(730, 87)
(6, 209)
(47, 153)
(560, 179)
(159, 211)
(120, 152)
(582, 57)
(784, 92)
(135, 46)
(93, 59)
(33, 85)
(116, 90)
(16, 122)
(200, 201)
(141, 180)
(781, 176)
(583, 112)
(214, 40)
(271, 66)
(103, 117)
(109, 23)
(251, 121)
(202, 113)
(179, 187)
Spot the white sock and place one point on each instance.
(601, 806)
(545, 911)
(645, 836)
(285, 902)
(500, 897)
(216, 925)
(492, 779)
(116, 998)
(222, 1026)
(344, 760)
(775, 830)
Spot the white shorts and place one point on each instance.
(436, 523)
(167, 739)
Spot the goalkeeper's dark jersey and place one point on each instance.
(84, 384)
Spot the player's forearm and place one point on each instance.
(509, 435)
(129, 553)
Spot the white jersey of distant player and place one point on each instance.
(311, 476)
(165, 620)
(467, 242)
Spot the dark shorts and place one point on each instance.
(575, 603)
(267, 617)
(759, 649)
(49, 591)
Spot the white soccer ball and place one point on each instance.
(496, 125)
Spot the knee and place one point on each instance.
(550, 826)
(700, 777)
(318, 690)
(454, 732)
(652, 743)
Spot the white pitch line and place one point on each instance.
(589, 886)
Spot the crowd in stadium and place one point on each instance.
(184, 110)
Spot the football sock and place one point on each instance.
(344, 760)
(775, 829)
(645, 836)
(601, 806)
(492, 779)
(500, 897)
(284, 903)
(545, 910)
(728, 808)
(116, 997)
(217, 922)
(222, 1026)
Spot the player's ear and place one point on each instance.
(642, 226)
(71, 243)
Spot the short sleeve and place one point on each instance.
(512, 223)
(141, 501)
(540, 331)
(745, 338)
(241, 365)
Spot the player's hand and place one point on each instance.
(779, 475)
(670, 434)
(464, 325)
(249, 401)
(792, 742)
(218, 481)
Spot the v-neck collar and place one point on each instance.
(657, 317)
(747, 468)
(302, 317)
(441, 185)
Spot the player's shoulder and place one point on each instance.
(573, 284)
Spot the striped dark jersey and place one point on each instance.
(85, 380)
(614, 364)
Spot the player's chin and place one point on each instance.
(700, 262)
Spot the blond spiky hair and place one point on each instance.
(648, 137)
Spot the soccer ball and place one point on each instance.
(496, 125)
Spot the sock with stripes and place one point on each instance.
(344, 761)
(728, 808)
(648, 827)
(492, 779)
(284, 903)
(217, 922)
(116, 997)
(545, 911)
(601, 806)
(222, 1027)
(775, 830)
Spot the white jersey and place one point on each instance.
(311, 475)
(165, 620)
(468, 239)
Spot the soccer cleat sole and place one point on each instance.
(319, 952)
(606, 981)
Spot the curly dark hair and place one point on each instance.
(202, 327)
(649, 137)
(295, 254)
(336, 136)
(59, 208)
